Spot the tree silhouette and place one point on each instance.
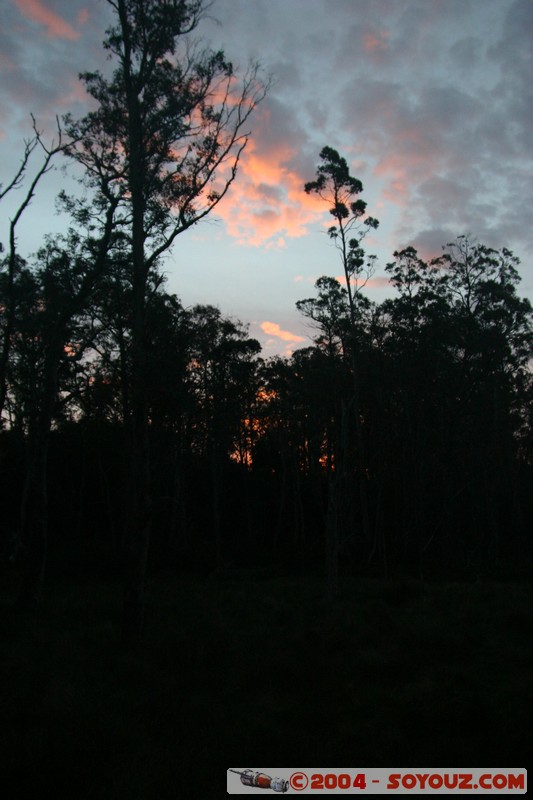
(60, 286)
(341, 191)
(164, 142)
(12, 260)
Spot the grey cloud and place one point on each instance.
(42, 69)
(460, 119)
(466, 54)
(515, 46)
(429, 242)
(446, 89)
(445, 197)
(270, 192)
(283, 130)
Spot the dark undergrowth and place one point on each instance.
(254, 669)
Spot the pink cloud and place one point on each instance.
(371, 283)
(273, 329)
(36, 11)
(378, 283)
(268, 203)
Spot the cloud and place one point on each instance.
(443, 113)
(429, 243)
(378, 282)
(431, 102)
(273, 329)
(56, 26)
(268, 203)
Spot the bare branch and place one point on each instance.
(29, 147)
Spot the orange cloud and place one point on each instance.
(370, 283)
(378, 283)
(268, 203)
(36, 11)
(273, 329)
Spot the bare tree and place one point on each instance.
(12, 258)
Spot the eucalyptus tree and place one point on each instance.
(457, 351)
(167, 133)
(39, 302)
(414, 358)
(335, 185)
(340, 190)
(48, 336)
(221, 369)
(292, 449)
(494, 321)
(493, 350)
(329, 313)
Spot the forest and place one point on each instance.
(145, 443)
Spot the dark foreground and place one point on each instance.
(253, 669)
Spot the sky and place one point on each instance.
(429, 101)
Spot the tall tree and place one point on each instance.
(168, 131)
(335, 185)
(329, 314)
(221, 367)
(66, 272)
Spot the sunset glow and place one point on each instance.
(269, 205)
(273, 329)
(427, 107)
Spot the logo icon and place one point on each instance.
(261, 781)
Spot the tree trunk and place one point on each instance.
(332, 540)
(34, 509)
(34, 524)
(139, 527)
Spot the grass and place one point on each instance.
(254, 669)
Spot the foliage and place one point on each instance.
(170, 123)
(337, 187)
